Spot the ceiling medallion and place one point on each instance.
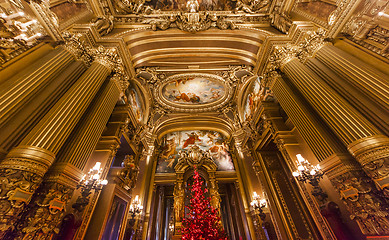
(193, 92)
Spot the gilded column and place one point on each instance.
(338, 165)
(64, 174)
(23, 121)
(371, 110)
(373, 83)
(24, 167)
(364, 141)
(21, 88)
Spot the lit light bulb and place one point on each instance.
(97, 166)
(295, 174)
(300, 168)
(300, 158)
(96, 176)
(313, 172)
(104, 182)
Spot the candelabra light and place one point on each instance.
(306, 172)
(90, 181)
(258, 204)
(135, 207)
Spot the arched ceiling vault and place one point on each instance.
(176, 49)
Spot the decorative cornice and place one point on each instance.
(108, 57)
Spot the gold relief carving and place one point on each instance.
(21, 172)
(280, 20)
(107, 57)
(192, 22)
(103, 24)
(179, 194)
(312, 43)
(367, 208)
(373, 154)
(336, 13)
(45, 213)
(77, 47)
(282, 55)
(253, 6)
(129, 174)
(17, 187)
(367, 28)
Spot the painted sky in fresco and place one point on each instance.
(193, 91)
(211, 141)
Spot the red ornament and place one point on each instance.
(203, 222)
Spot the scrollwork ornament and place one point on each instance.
(43, 215)
(77, 47)
(17, 187)
(366, 206)
(312, 43)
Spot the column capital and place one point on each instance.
(312, 43)
(74, 44)
(281, 55)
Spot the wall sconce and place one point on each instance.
(258, 204)
(306, 172)
(90, 181)
(135, 207)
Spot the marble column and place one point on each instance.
(23, 168)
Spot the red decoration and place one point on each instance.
(203, 222)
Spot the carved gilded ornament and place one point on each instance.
(108, 57)
(366, 206)
(45, 215)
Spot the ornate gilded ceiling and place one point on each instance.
(195, 63)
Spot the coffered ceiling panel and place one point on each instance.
(212, 48)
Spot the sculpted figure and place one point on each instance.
(179, 194)
(104, 24)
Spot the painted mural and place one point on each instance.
(196, 90)
(135, 103)
(252, 101)
(211, 141)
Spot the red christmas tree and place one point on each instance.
(203, 220)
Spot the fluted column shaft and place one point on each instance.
(20, 89)
(26, 164)
(373, 83)
(364, 104)
(363, 140)
(339, 166)
(23, 121)
(321, 142)
(65, 173)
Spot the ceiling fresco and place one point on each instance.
(194, 90)
(211, 141)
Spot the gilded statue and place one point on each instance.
(179, 194)
(130, 171)
(104, 24)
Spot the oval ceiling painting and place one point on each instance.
(193, 90)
